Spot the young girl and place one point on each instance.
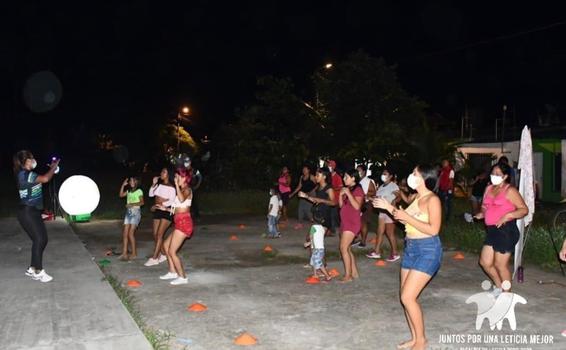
(386, 224)
(183, 228)
(134, 201)
(350, 201)
(273, 211)
(164, 192)
(423, 250)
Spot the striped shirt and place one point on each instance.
(31, 193)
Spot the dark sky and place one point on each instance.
(125, 64)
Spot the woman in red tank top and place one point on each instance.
(502, 206)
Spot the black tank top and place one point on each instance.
(307, 185)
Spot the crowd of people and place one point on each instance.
(332, 203)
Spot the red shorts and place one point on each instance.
(184, 223)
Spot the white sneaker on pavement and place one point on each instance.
(30, 271)
(169, 276)
(162, 258)
(151, 262)
(42, 276)
(179, 280)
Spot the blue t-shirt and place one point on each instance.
(31, 193)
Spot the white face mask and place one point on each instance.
(186, 164)
(384, 178)
(496, 179)
(413, 181)
(330, 169)
(33, 163)
(361, 174)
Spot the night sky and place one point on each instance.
(124, 65)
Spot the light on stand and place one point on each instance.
(79, 196)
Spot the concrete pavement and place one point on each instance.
(77, 310)
(246, 290)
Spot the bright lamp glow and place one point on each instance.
(79, 195)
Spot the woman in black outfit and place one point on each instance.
(31, 205)
(306, 185)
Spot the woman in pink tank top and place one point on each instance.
(502, 206)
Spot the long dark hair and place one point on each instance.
(354, 173)
(326, 173)
(429, 175)
(170, 176)
(20, 159)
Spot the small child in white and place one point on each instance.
(272, 214)
(317, 250)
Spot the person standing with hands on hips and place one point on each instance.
(31, 205)
(501, 207)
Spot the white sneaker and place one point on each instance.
(30, 271)
(169, 276)
(151, 262)
(162, 258)
(179, 280)
(42, 276)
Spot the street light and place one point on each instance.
(328, 65)
(185, 111)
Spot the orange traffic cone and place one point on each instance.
(242, 226)
(233, 238)
(268, 249)
(373, 241)
(380, 263)
(458, 256)
(245, 339)
(197, 307)
(312, 280)
(334, 273)
(134, 283)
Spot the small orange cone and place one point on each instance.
(242, 226)
(267, 249)
(458, 256)
(298, 226)
(312, 280)
(233, 238)
(373, 241)
(245, 339)
(334, 273)
(380, 263)
(197, 307)
(134, 283)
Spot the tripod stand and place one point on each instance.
(54, 199)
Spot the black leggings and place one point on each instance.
(32, 223)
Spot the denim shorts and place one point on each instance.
(133, 216)
(317, 258)
(423, 255)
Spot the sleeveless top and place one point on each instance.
(178, 204)
(496, 207)
(414, 210)
(321, 211)
(307, 185)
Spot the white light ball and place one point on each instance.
(79, 195)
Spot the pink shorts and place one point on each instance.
(386, 217)
(184, 223)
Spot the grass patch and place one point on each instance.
(158, 339)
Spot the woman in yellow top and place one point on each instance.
(423, 251)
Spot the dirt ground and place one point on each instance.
(266, 295)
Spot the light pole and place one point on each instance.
(185, 111)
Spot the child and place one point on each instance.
(272, 213)
(317, 249)
(134, 201)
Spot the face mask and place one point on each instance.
(187, 164)
(385, 178)
(413, 182)
(33, 163)
(496, 179)
(330, 169)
